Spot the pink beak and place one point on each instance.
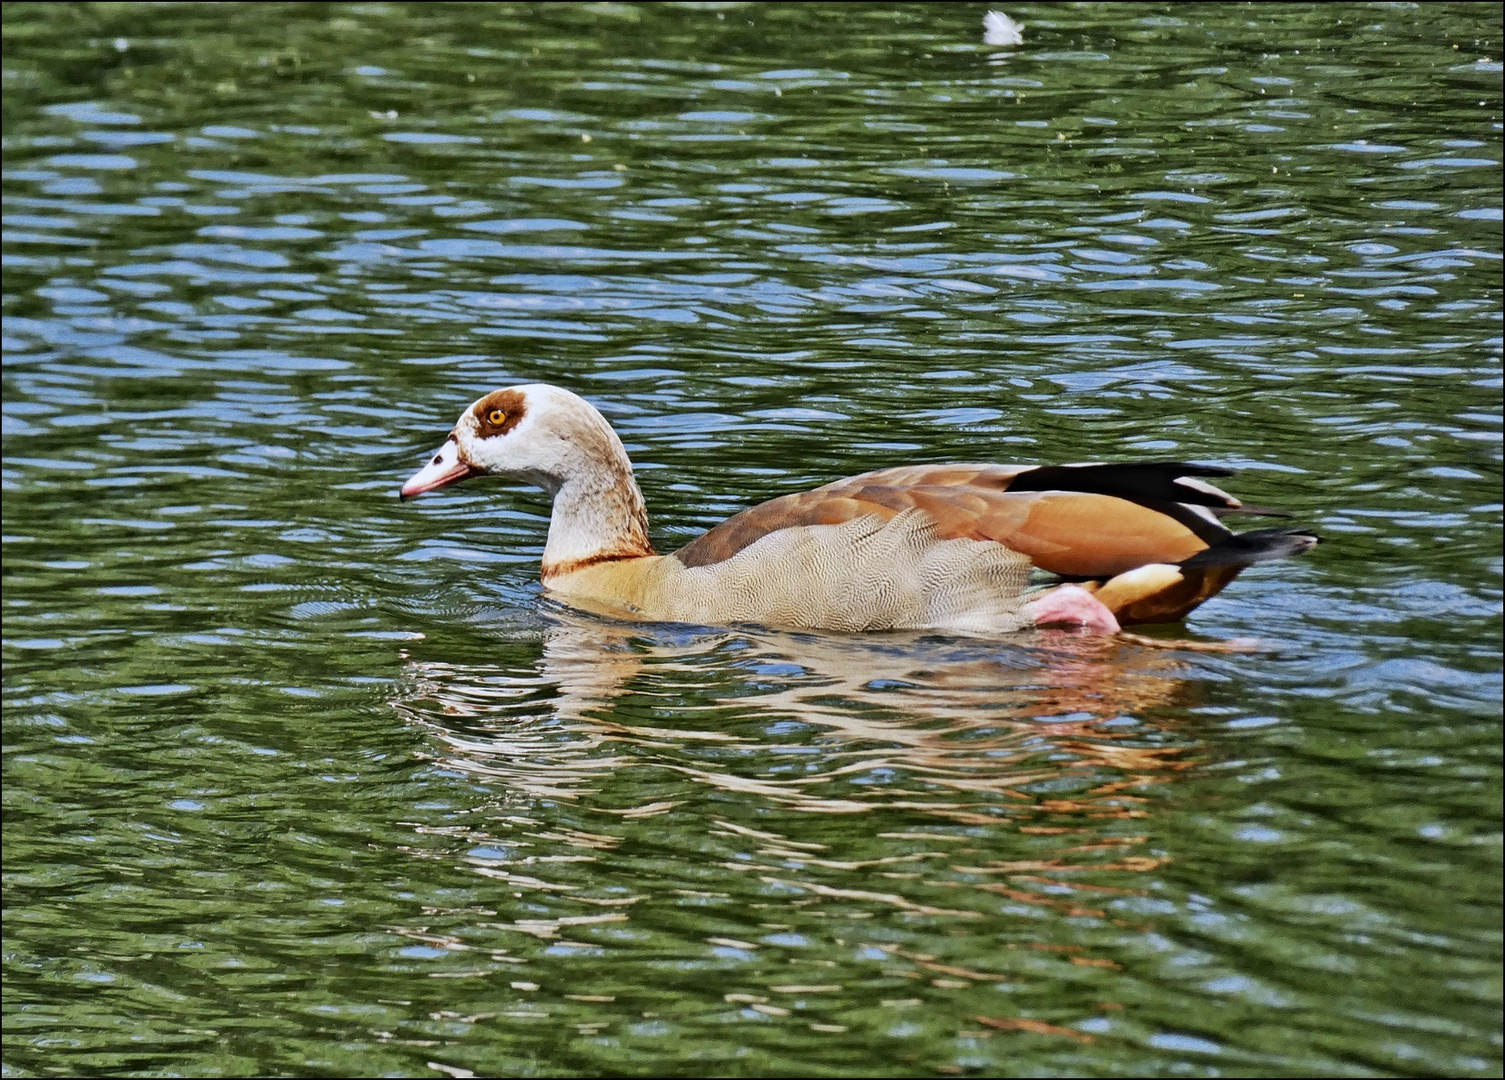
(446, 468)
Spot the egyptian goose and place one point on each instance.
(914, 547)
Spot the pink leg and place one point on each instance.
(1072, 604)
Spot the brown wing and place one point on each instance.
(1087, 521)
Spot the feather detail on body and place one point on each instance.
(863, 574)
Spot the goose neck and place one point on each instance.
(597, 517)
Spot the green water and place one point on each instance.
(303, 781)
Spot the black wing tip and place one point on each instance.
(1137, 481)
(1257, 545)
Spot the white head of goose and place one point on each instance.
(914, 547)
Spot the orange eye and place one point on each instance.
(496, 417)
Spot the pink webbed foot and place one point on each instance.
(1074, 605)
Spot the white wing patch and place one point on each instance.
(1207, 489)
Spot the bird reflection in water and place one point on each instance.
(1045, 738)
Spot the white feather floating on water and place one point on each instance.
(999, 29)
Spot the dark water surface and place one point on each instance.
(300, 780)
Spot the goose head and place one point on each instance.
(539, 434)
(556, 440)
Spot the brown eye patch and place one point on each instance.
(498, 412)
